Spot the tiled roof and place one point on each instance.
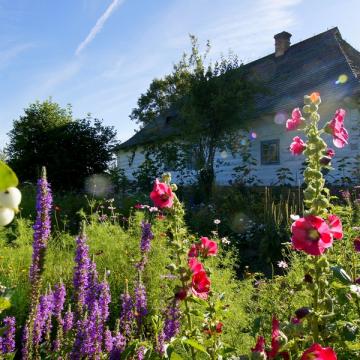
(310, 65)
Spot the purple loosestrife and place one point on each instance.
(104, 300)
(108, 341)
(92, 291)
(25, 341)
(59, 300)
(42, 229)
(42, 316)
(68, 321)
(172, 321)
(118, 346)
(127, 313)
(81, 271)
(8, 339)
(145, 245)
(160, 344)
(140, 302)
(141, 353)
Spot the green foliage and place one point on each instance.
(71, 150)
(7, 177)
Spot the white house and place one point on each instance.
(324, 63)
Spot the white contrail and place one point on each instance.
(99, 25)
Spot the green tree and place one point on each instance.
(47, 135)
(212, 102)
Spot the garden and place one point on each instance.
(156, 284)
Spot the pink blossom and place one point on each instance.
(317, 352)
(208, 247)
(295, 121)
(297, 146)
(335, 226)
(162, 195)
(337, 129)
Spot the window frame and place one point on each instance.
(270, 142)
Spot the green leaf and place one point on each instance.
(352, 345)
(7, 177)
(341, 275)
(4, 304)
(194, 344)
(196, 300)
(175, 356)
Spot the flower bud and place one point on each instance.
(166, 177)
(6, 216)
(174, 187)
(315, 117)
(307, 100)
(306, 109)
(302, 312)
(325, 160)
(313, 107)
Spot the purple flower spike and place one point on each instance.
(118, 346)
(127, 314)
(108, 341)
(146, 237)
(41, 228)
(104, 300)
(68, 321)
(25, 340)
(42, 325)
(140, 301)
(160, 345)
(141, 353)
(172, 321)
(81, 270)
(8, 340)
(59, 300)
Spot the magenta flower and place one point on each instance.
(337, 129)
(162, 195)
(297, 146)
(317, 352)
(335, 227)
(295, 121)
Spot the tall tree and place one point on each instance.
(213, 102)
(47, 135)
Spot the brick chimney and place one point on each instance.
(282, 43)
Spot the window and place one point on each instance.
(270, 152)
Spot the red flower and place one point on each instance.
(335, 227)
(218, 327)
(162, 195)
(195, 265)
(208, 247)
(138, 206)
(336, 128)
(357, 244)
(311, 234)
(295, 121)
(297, 146)
(193, 252)
(275, 338)
(316, 352)
(260, 346)
(200, 284)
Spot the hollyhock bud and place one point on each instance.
(218, 327)
(311, 234)
(315, 98)
(193, 252)
(302, 312)
(317, 352)
(357, 244)
(162, 195)
(330, 153)
(181, 294)
(297, 146)
(325, 160)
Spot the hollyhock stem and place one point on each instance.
(315, 318)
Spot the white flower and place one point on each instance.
(282, 264)
(6, 216)
(294, 217)
(355, 289)
(153, 209)
(217, 221)
(225, 241)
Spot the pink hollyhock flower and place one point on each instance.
(357, 244)
(260, 346)
(297, 146)
(200, 285)
(162, 195)
(311, 234)
(195, 265)
(337, 129)
(193, 252)
(335, 226)
(208, 247)
(275, 338)
(317, 352)
(295, 121)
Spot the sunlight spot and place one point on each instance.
(223, 154)
(342, 79)
(239, 222)
(98, 185)
(280, 118)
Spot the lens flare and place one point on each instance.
(98, 185)
(253, 135)
(223, 154)
(342, 79)
(280, 118)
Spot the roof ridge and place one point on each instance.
(334, 30)
(340, 40)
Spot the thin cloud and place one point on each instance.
(8, 55)
(99, 25)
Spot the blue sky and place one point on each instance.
(100, 55)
